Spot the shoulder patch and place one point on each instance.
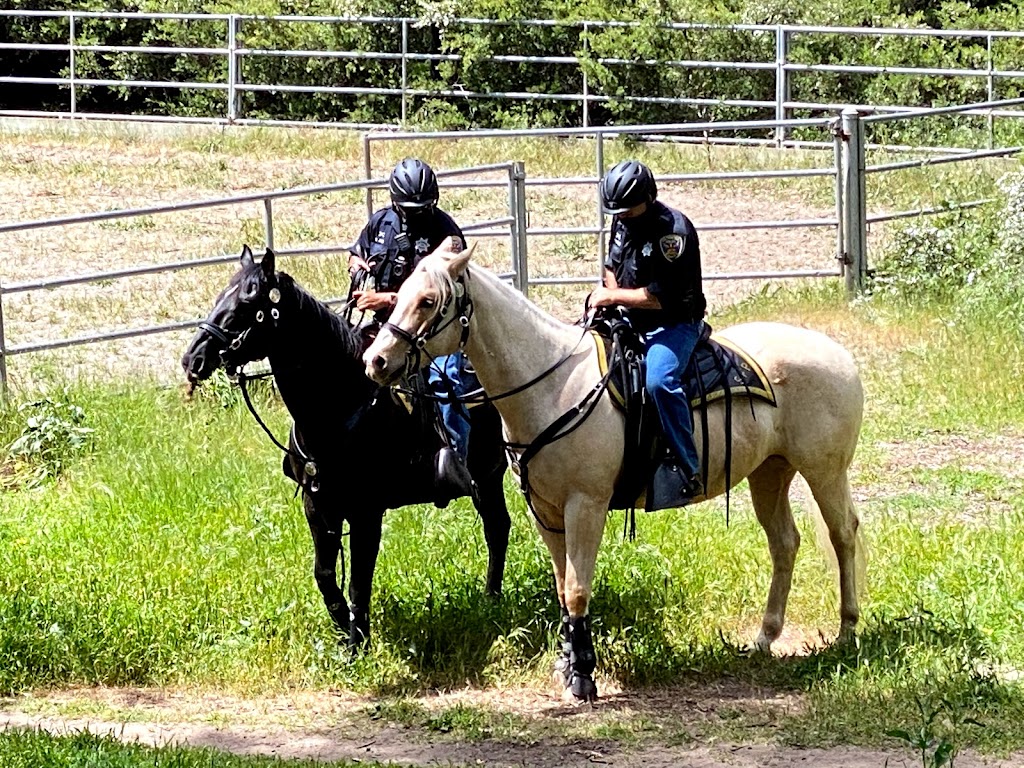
(672, 246)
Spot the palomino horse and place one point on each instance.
(812, 430)
(340, 449)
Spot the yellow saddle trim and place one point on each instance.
(764, 391)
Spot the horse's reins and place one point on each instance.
(417, 342)
(309, 481)
(552, 433)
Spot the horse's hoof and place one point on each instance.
(583, 687)
(763, 644)
(847, 637)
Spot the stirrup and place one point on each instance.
(670, 488)
(452, 479)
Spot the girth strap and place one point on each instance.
(551, 434)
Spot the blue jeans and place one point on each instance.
(454, 416)
(668, 353)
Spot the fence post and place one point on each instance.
(268, 221)
(781, 81)
(599, 152)
(405, 71)
(74, 93)
(3, 350)
(234, 70)
(855, 227)
(368, 174)
(836, 127)
(517, 184)
(991, 96)
(586, 83)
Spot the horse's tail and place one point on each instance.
(824, 541)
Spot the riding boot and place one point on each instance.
(452, 479)
(670, 487)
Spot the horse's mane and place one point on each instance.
(308, 304)
(442, 280)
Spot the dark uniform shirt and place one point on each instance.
(393, 246)
(659, 250)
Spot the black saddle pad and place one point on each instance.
(716, 364)
(718, 368)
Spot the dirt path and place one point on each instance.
(328, 727)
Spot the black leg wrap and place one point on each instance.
(563, 664)
(582, 654)
(582, 660)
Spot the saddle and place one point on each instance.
(718, 370)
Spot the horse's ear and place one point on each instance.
(246, 257)
(267, 262)
(458, 262)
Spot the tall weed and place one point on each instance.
(997, 292)
(54, 432)
(935, 261)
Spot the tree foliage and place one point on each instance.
(630, 70)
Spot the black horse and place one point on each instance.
(346, 449)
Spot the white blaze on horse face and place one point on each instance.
(424, 302)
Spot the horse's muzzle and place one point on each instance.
(378, 370)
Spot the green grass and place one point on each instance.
(34, 749)
(174, 554)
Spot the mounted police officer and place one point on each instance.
(390, 246)
(653, 272)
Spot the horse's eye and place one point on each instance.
(251, 289)
(428, 302)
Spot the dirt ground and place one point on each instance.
(327, 727)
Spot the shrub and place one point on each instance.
(998, 290)
(934, 260)
(52, 435)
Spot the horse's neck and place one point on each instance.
(512, 341)
(316, 365)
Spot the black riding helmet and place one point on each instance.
(627, 185)
(413, 185)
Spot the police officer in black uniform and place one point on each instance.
(653, 271)
(390, 246)
(396, 238)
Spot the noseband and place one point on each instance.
(462, 311)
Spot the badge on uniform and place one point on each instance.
(672, 246)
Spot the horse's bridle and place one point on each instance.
(464, 312)
(462, 306)
(235, 341)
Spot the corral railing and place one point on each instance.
(855, 125)
(599, 227)
(782, 84)
(847, 170)
(506, 226)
